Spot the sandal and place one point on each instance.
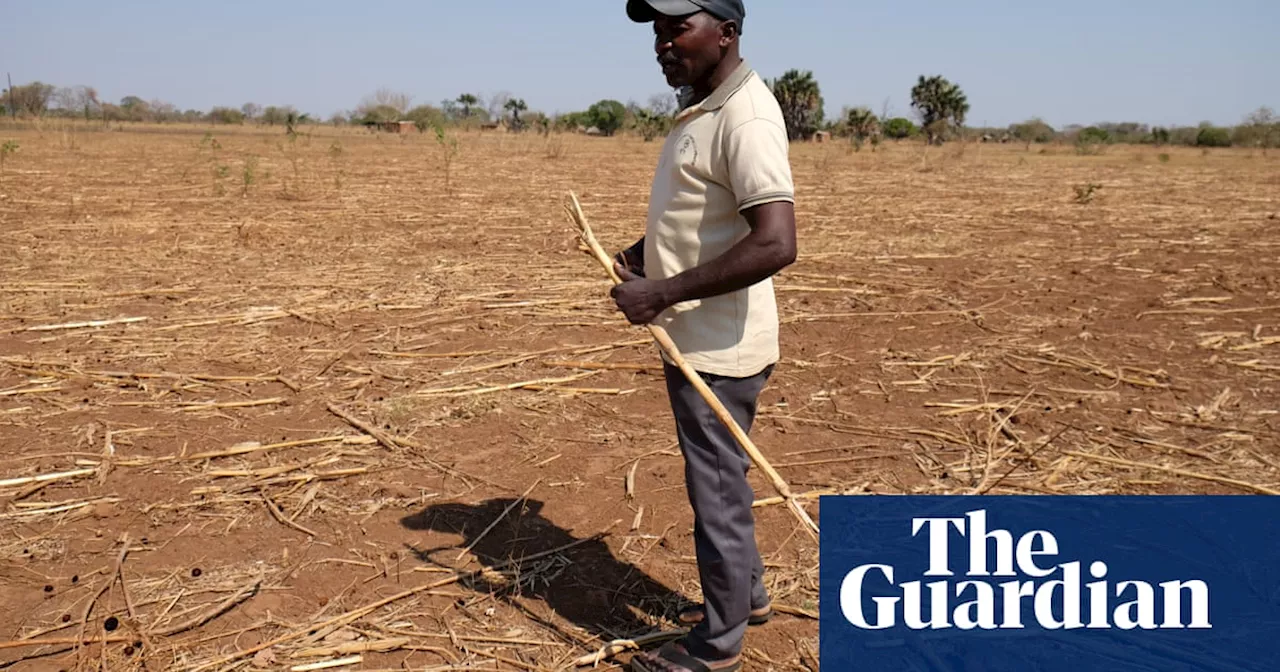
(693, 615)
(672, 657)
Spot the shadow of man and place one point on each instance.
(584, 584)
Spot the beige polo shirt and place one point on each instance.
(724, 155)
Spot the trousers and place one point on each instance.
(729, 565)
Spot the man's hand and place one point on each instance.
(639, 299)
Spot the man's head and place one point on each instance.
(691, 37)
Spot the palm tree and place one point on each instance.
(516, 106)
(941, 105)
(862, 124)
(800, 98)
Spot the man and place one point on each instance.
(721, 223)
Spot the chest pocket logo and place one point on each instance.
(687, 149)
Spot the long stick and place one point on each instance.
(668, 346)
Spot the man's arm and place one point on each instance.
(767, 249)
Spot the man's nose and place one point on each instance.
(661, 46)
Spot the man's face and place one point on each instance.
(689, 47)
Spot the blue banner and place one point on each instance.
(1050, 584)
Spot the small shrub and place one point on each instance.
(1164, 158)
(248, 174)
(220, 172)
(1085, 192)
(9, 147)
(555, 148)
(448, 152)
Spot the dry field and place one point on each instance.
(269, 403)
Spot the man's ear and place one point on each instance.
(728, 32)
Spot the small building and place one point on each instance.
(821, 136)
(396, 126)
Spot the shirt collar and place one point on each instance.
(731, 85)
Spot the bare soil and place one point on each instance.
(962, 320)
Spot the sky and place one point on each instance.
(1161, 62)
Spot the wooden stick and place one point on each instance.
(44, 478)
(669, 347)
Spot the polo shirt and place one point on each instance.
(724, 155)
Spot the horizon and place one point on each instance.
(1085, 64)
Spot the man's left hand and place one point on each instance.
(640, 299)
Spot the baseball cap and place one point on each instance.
(643, 11)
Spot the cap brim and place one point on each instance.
(644, 11)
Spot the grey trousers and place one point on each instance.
(729, 564)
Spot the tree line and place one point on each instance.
(939, 109)
(606, 117)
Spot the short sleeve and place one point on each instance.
(758, 163)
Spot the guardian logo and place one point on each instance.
(984, 601)
(1051, 584)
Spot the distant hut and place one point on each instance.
(395, 126)
(821, 136)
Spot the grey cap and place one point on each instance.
(644, 11)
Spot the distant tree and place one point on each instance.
(76, 100)
(515, 106)
(134, 108)
(572, 121)
(1261, 128)
(467, 101)
(376, 115)
(162, 111)
(383, 105)
(226, 115)
(663, 104)
(1032, 130)
(251, 110)
(30, 99)
(498, 104)
(340, 118)
(1211, 136)
(426, 117)
(1160, 136)
(651, 124)
(942, 106)
(800, 98)
(861, 123)
(273, 115)
(607, 115)
(1094, 135)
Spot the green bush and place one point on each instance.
(899, 128)
(1213, 137)
(1094, 136)
(1091, 140)
(607, 115)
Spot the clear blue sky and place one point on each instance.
(1155, 61)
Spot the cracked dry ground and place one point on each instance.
(957, 322)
